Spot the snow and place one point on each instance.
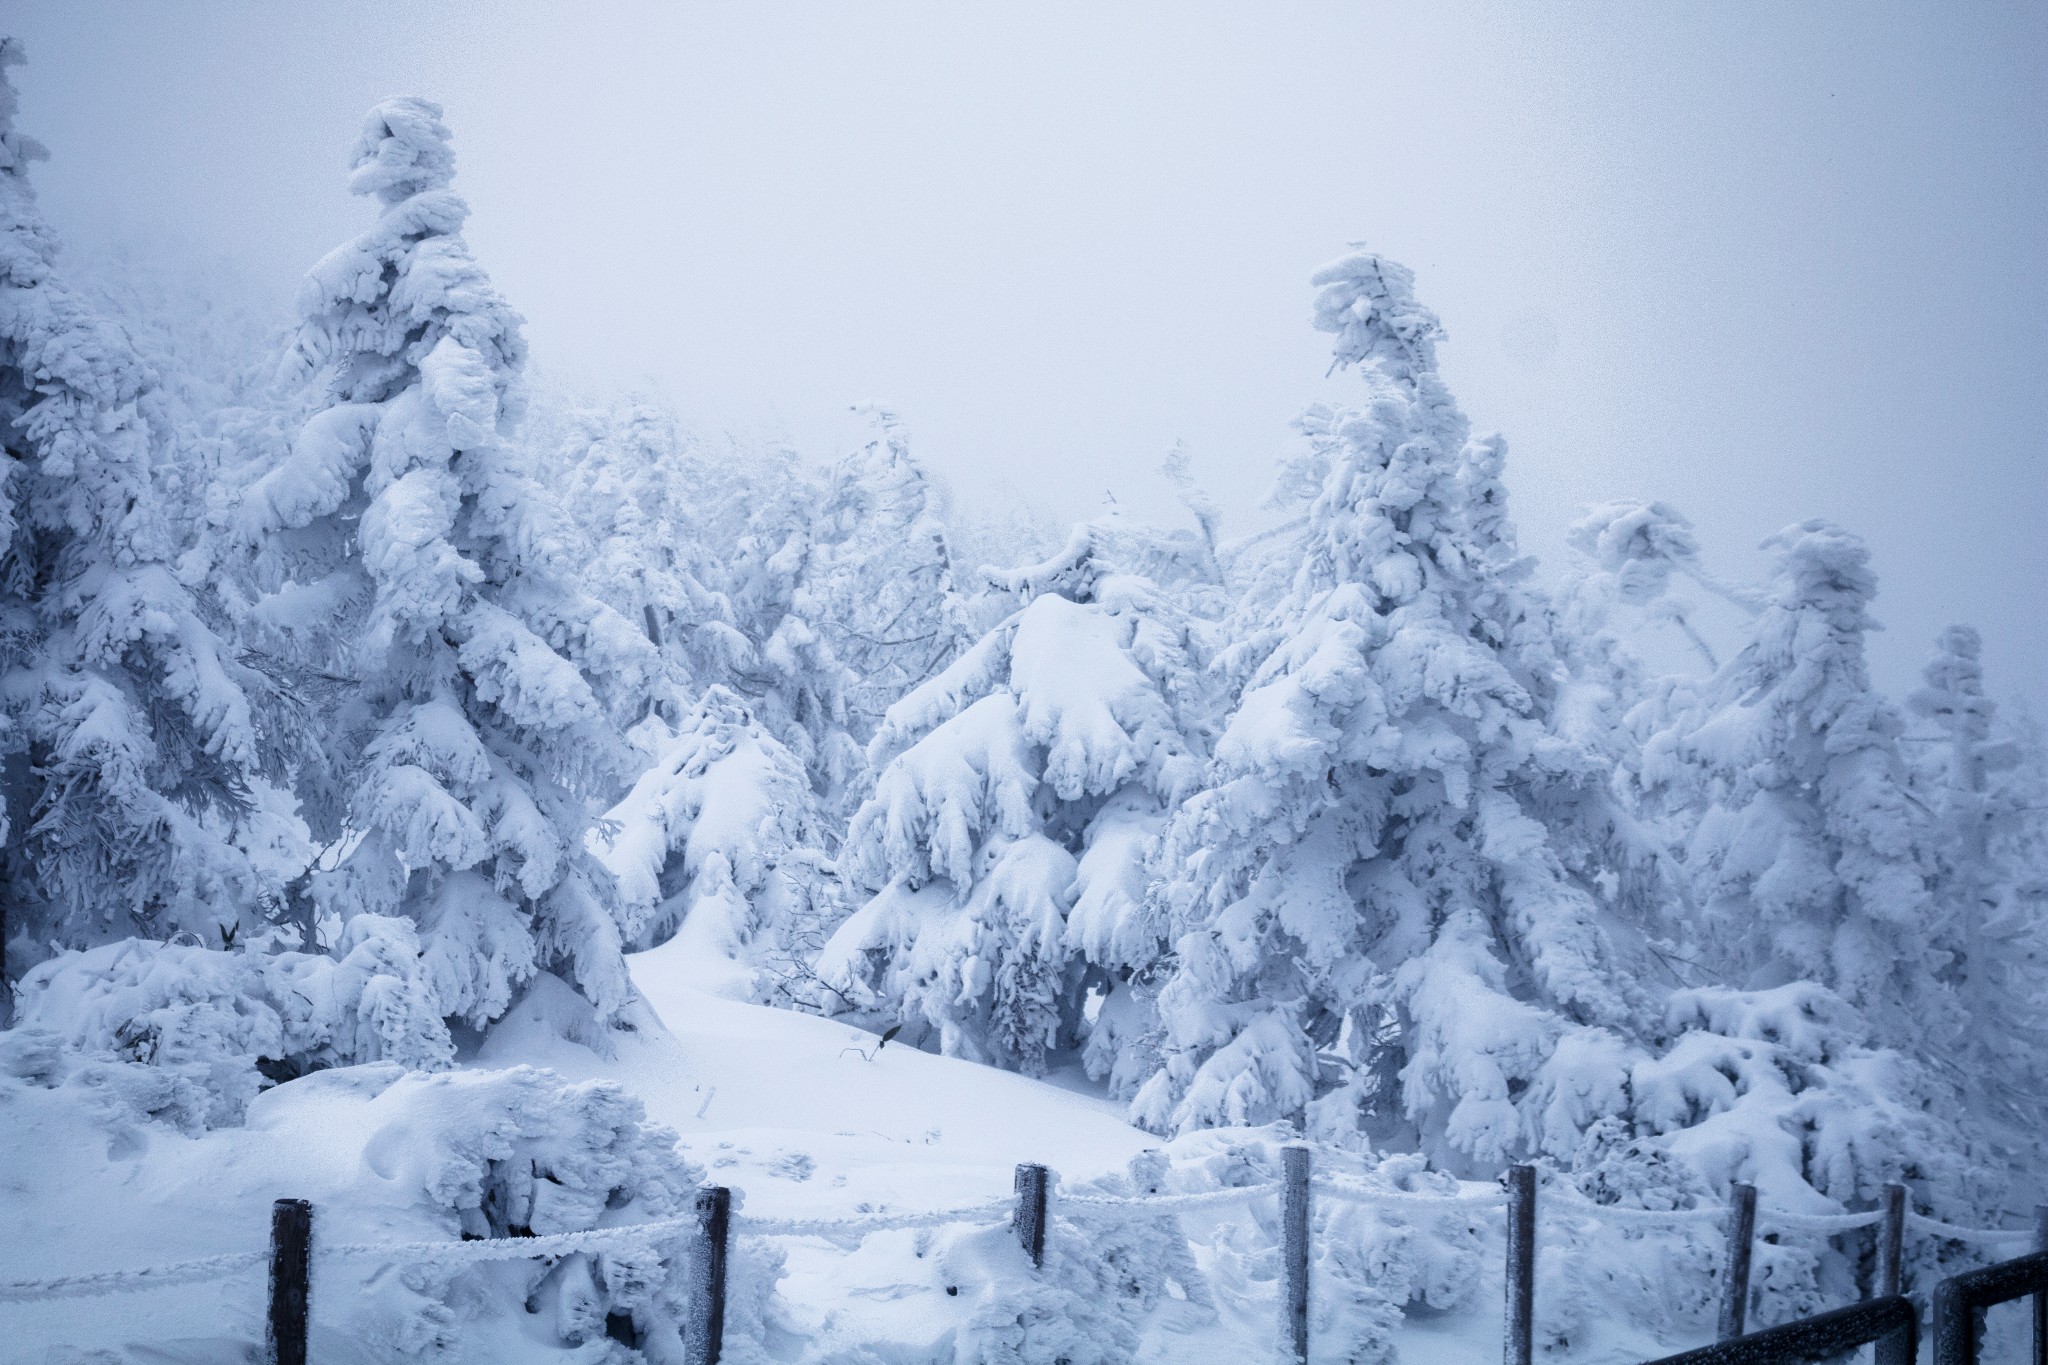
(419, 786)
(802, 1116)
(805, 1118)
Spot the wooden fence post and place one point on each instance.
(1294, 1212)
(1900, 1347)
(1029, 1219)
(1735, 1265)
(1891, 1243)
(1521, 1305)
(291, 1279)
(706, 1336)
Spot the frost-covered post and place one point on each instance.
(1030, 1216)
(707, 1276)
(1898, 1348)
(1521, 1325)
(1294, 1169)
(1735, 1268)
(291, 1279)
(1891, 1243)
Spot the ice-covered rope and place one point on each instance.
(1829, 1223)
(1168, 1203)
(864, 1223)
(1572, 1198)
(489, 1249)
(1365, 1194)
(1936, 1228)
(127, 1281)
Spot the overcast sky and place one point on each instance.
(1764, 262)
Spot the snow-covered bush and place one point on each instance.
(510, 1154)
(413, 1161)
(239, 1014)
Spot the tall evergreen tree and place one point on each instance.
(1807, 855)
(1383, 912)
(1990, 891)
(884, 576)
(141, 777)
(405, 548)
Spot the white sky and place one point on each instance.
(1762, 261)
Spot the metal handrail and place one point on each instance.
(1893, 1322)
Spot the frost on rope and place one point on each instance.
(1014, 806)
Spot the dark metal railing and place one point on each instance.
(1960, 1301)
(1894, 1323)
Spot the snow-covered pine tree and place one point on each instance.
(1807, 854)
(1383, 905)
(141, 755)
(883, 574)
(719, 846)
(788, 671)
(1018, 794)
(1991, 888)
(1815, 1057)
(659, 521)
(407, 550)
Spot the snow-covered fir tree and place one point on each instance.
(719, 846)
(1987, 799)
(884, 580)
(1806, 852)
(660, 520)
(1017, 798)
(1812, 1052)
(1377, 900)
(142, 750)
(406, 549)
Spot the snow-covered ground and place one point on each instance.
(805, 1119)
(801, 1116)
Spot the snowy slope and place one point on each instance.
(802, 1118)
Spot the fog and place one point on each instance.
(1764, 263)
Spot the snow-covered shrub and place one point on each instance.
(517, 1153)
(243, 1015)
(1782, 1090)
(120, 1096)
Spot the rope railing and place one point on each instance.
(865, 1223)
(706, 1229)
(98, 1282)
